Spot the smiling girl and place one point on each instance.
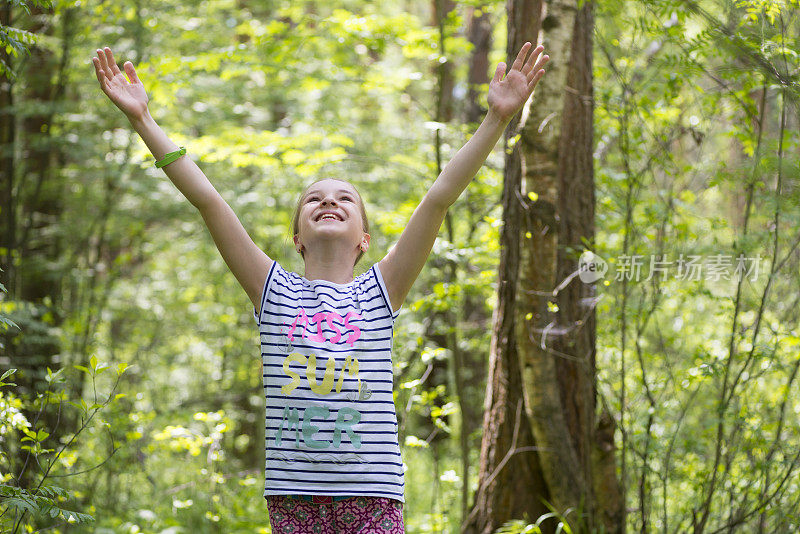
(333, 460)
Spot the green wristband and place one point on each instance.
(172, 156)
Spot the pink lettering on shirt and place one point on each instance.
(331, 318)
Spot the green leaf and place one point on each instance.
(82, 405)
(51, 376)
(9, 322)
(20, 504)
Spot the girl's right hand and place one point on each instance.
(131, 97)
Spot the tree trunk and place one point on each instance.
(32, 227)
(7, 149)
(557, 343)
(444, 101)
(509, 467)
(479, 33)
(543, 341)
(553, 411)
(442, 330)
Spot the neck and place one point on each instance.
(330, 265)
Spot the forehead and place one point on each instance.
(330, 185)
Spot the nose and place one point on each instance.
(326, 201)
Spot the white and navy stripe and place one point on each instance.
(354, 321)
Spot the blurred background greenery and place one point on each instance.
(137, 396)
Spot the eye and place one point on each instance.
(345, 197)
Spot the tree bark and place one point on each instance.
(552, 409)
(479, 33)
(557, 344)
(544, 337)
(444, 101)
(509, 467)
(31, 228)
(7, 149)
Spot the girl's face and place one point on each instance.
(331, 209)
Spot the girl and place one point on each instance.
(332, 455)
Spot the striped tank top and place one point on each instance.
(326, 352)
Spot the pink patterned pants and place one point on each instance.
(356, 515)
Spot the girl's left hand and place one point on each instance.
(508, 95)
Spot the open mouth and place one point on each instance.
(329, 216)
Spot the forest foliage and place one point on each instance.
(136, 402)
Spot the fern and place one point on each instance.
(41, 502)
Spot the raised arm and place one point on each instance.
(403, 263)
(249, 264)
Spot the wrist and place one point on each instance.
(494, 117)
(140, 120)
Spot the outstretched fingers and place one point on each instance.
(131, 72)
(104, 64)
(98, 70)
(110, 61)
(105, 82)
(542, 60)
(520, 61)
(101, 63)
(535, 80)
(534, 61)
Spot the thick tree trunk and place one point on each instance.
(509, 467)
(563, 483)
(544, 337)
(551, 409)
(557, 344)
(578, 376)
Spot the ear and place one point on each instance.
(365, 241)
